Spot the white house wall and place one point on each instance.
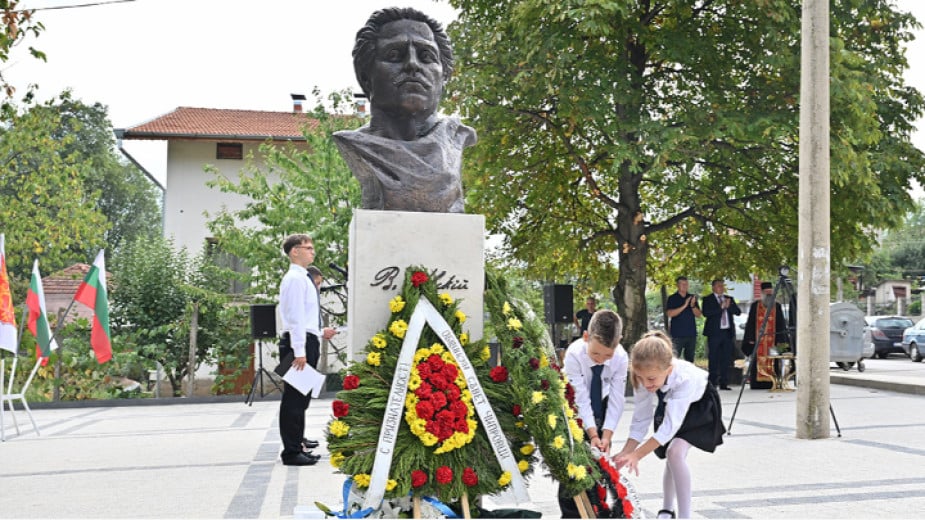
(187, 198)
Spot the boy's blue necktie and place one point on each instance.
(597, 403)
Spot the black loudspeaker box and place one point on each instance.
(263, 321)
(557, 303)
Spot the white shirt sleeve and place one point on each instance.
(574, 369)
(686, 385)
(616, 399)
(292, 311)
(643, 412)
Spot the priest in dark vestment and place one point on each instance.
(761, 367)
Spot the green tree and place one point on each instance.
(294, 191)
(127, 198)
(46, 211)
(17, 26)
(664, 133)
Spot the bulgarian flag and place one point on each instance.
(38, 316)
(92, 293)
(7, 313)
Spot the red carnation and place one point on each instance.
(452, 393)
(423, 392)
(556, 367)
(450, 372)
(517, 342)
(516, 410)
(469, 477)
(340, 408)
(459, 409)
(418, 478)
(534, 363)
(498, 374)
(461, 426)
(424, 370)
(351, 382)
(419, 278)
(444, 475)
(425, 410)
(445, 417)
(438, 399)
(544, 384)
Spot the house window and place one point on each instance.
(234, 272)
(233, 151)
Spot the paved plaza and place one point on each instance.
(220, 460)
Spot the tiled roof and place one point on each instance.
(66, 281)
(215, 123)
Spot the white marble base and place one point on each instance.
(384, 243)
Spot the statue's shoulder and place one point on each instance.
(462, 133)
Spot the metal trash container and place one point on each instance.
(846, 335)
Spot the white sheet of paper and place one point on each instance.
(305, 380)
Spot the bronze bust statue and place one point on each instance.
(406, 158)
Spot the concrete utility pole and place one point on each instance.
(814, 255)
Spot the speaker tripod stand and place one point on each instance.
(259, 375)
(784, 287)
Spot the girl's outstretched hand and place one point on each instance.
(629, 460)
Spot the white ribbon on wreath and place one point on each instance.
(426, 314)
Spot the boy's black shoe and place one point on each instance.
(309, 445)
(302, 460)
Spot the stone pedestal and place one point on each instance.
(384, 243)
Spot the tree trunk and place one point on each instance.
(630, 292)
(193, 332)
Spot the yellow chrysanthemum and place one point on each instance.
(551, 420)
(466, 395)
(576, 430)
(544, 361)
(396, 304)
(527, 449)
(506, 308)
(398, 328)
(485, 355)
(537, 397)
(379, 341)
(390, 484)
(523, 466)
(463, 339)
(414, 381)
(339, 428)
(448, 358)
(411, 401)
(337, 458)
(428, 438)
(520, 424)
(558, 442)
(576, 472)
(504, 479)
(569, 412)
(514, 324)
(461, 316)
(362, 479)
(374, 358)
(445, 298)
(437, 348)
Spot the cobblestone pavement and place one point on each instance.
(220, 460)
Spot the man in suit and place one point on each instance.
(718, 308)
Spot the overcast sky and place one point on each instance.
(144, 58)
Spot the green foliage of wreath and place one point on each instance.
(353, 433)
(539, 388)
(526, 392)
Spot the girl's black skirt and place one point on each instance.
(702, 426)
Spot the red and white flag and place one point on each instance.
(7, 311)
(92, 293)
(38, 316)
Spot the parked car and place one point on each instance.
(914, 341)
(886, 334)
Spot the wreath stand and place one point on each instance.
(584, 505)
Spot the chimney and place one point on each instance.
(297, 100)
(360, 104)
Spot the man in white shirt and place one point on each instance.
(300, 314)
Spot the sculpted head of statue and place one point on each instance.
(402, 59)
